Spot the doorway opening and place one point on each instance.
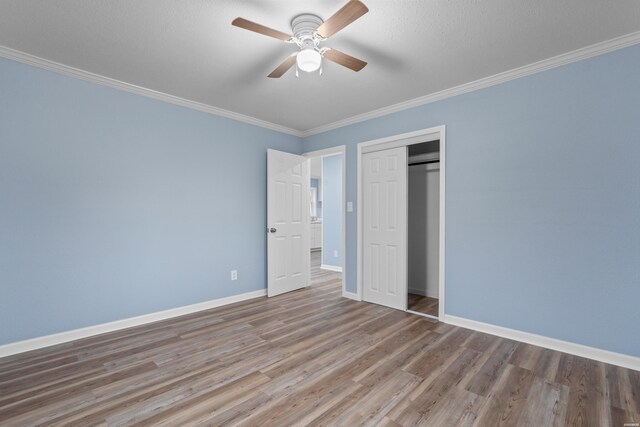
(423, 228)
(327, 217)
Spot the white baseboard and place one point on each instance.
(619, 359)
(331, 268)
(62, 337)
(423, 293)
(351, 295)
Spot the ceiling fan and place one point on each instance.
(308, 32)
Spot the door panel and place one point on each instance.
(288, 185)
(385, 227)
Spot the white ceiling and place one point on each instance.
(189, 49)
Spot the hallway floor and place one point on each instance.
(319, 275)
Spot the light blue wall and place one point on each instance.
(114, 205)
(543, 199)
(111, 204)
(332, 208)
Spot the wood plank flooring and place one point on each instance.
(422, 304)
(319, 275)
(310, 357)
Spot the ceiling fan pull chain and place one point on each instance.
(297, 71)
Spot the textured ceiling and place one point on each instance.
(189, 49)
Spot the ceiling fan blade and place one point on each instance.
(345, 16)
(345, 60)
(284, 67)
(257, 28)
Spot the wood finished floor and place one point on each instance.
(422, 304)
(317, 274)
(310, 357)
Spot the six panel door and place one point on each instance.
(288, 183)
(385, 227)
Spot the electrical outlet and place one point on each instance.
(335, 253)
(234, 274)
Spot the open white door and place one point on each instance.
(288, 183)
(385, 227)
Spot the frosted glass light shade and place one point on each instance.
(309, 60)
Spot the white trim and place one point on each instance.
(339, 149)
(537, 67)
(406, 139)
(359, 219)
(66, 70)
(442, 220)
(401, 140)
(351, 295)
(526, 70)
(326, 152)
(331, 268)
(619, 359)
(62, 337)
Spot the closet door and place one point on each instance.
(385, 227)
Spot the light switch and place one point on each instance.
(349, 206)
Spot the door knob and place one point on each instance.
(272, 230)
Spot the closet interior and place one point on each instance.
(423, 227)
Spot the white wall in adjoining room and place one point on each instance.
(424, 199)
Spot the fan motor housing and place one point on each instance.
(304, 26)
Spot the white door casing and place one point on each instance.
(288, 182)
(384, 177)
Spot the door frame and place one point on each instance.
(405, 140)
(327, 152)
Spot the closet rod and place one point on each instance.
(424, 163)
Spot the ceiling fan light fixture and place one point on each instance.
(309, 60)
(308, 31)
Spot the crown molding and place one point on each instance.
(536, 67)
(66, 70)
